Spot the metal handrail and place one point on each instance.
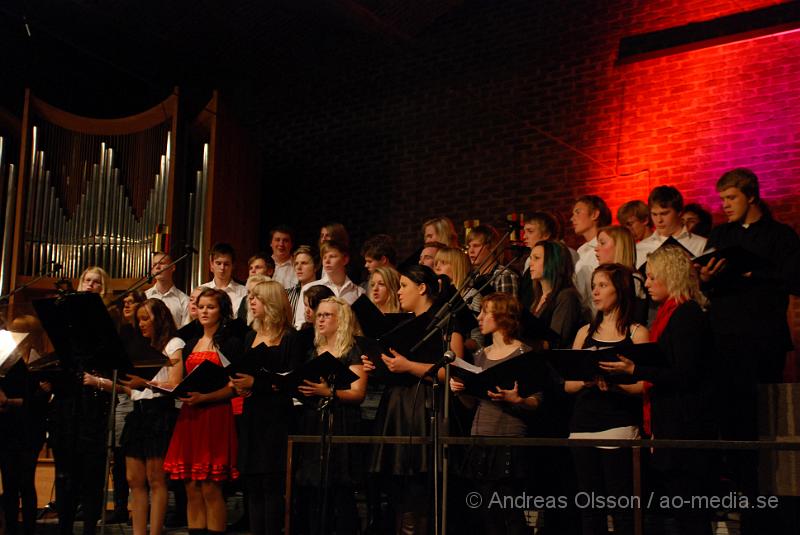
(635, 444)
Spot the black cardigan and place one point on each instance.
(681, 396)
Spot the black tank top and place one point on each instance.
(596, 410)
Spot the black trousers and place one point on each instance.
(79, 479)
(79, 425)
(264, 495)
(737, 419)
(342, 515)
(604, 473)
(496, 520)
(18, 468)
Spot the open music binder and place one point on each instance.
(145, 360)
(205, 378)
(583, 364)
(325, 365)
(529, 371)
(738, 260)
(402, 339)
(373, 322)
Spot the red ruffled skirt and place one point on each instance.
(203, 445)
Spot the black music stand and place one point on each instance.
(85, 338)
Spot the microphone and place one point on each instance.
(189, 249)
(448, 357)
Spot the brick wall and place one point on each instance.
(456, 119)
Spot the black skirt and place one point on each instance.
(495, 463)
(148, 428)
(400, 415)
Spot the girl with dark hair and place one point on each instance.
(311, 300)
(202, 451)
(602, 410)
(616, 245)
(555, 299)
(498, 469)
(404, 468)
(148, 427)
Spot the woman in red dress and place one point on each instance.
(202, 451)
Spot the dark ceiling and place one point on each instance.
(116, 57)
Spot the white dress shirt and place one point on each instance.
(235, 291)
(696, 244)
(584, 268)
(284, 273)
(348, 292)
(177, 302)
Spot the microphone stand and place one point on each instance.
(110, 439)
(50, 271)
(444, 324)
(446, 337)
(326, 419)
(147, 279)
(467, 283)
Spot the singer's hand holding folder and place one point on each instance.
(738, 260)
(583, 364)
(146, 360)
(325, 365)
(528, 370)
(207, 377)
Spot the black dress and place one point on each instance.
(681, 397)
(266, 414)
(341, 515)
(346, 421)
(402, 412)
(263, 428)
(681, 403)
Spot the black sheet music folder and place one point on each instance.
(325, 365)
(582, 364)
(82, 332)
(206, 377)
(145, 360)
(529, 371)
(738, 260)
